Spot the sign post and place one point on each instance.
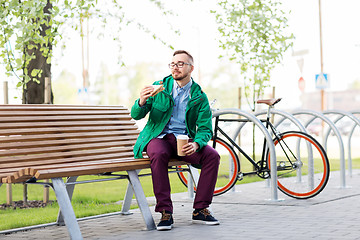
(321, 59)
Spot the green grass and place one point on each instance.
(335, 164)
(15, 218)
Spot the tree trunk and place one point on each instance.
(33, 92)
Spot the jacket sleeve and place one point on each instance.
(138, 112)
(204, 130)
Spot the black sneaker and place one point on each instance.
(204, 216)
(166, 221)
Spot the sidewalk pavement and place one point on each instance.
(247, 213)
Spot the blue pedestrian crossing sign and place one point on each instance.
(321, 81)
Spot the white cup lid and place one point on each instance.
(182, 137)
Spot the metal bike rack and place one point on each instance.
(285, 116)
(290, 117)
(356, 123)
(337, 133)
(252, 118)
(350, 135)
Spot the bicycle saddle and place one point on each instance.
(270, 102)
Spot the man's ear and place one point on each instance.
(192, 68)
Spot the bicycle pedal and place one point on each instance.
(240, 176)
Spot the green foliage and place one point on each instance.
(28, 27)
(253, 32)
(22, 23)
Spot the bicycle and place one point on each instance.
(299, 176)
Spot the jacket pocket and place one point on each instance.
(158, 112)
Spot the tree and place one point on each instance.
(36, 28)
(30, 25)
(253, 32)
(39, 67)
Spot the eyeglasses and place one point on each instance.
(178, 64)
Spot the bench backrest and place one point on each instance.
(49, 141)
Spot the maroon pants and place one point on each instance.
(160, 151)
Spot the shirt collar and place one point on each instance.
(185, 88)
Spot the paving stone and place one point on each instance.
(246, 213)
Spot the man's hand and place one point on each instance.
(145, 93)
(190, 148)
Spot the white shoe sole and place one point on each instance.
(205, 222)
(164, 228)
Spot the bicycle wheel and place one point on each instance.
(302, 165)
(228, 169)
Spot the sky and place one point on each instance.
(341, 44)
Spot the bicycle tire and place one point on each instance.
(299, 176)
(228, 169)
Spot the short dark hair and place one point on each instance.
(185, 52)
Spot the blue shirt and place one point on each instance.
(176, 124)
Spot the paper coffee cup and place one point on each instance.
(181, 141)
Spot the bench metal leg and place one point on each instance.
(70, 191)
(66, 208)
(141, 199)
(125, 210)
(193, 180)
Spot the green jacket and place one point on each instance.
(198, 115)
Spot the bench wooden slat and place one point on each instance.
(89, 170)
(51, 107)
(13, 179)
(60, 142)
(47, 137)
(10, 125)
(129, 164)
(60, 166)
(27, 112)
(62, 170)
(10, 173)
(20, 175)
(47, 130)
(59, 155)
(5, 167)
(66, 148)
(10, 170)
(61, 118)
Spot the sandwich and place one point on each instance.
(157, 89)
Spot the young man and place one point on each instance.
(181, 108)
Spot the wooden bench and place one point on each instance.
(40, 142)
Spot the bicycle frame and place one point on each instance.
(262, 166)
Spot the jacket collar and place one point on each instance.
(168, 83)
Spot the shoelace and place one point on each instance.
(204, 211)
(165, 216)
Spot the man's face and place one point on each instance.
(183, 72)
